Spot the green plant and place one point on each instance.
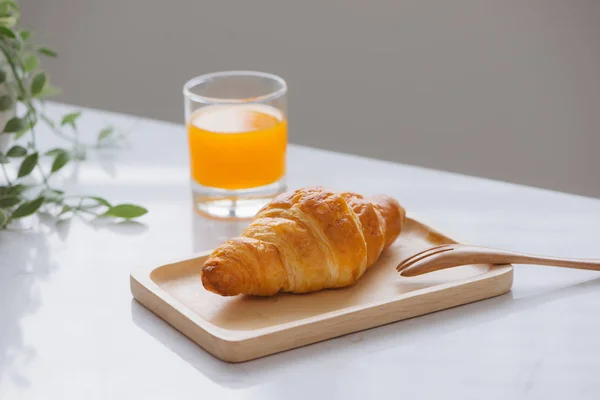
(23, 85)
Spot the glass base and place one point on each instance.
(233, 204)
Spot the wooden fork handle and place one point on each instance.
(505, 257)
(593, 265)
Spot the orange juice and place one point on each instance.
(237, 146)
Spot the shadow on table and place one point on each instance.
(127, 227)
(25, 261)
(209, 233)
(62, 226)
(409, 331)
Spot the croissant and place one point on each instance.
(303, 241)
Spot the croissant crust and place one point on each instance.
(303, 241)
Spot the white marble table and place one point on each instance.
(69, 329)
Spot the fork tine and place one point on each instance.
(407, 265)
(423, 254)
(407, 260)
(422, 266)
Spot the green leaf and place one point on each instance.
(47, 193)
(126, 211)
(60, 161)
(27, 208)
(16, 151)
(25, 35)
(30, 122)
(6, 6)
(30, 63)
(47, 52)
(52, 196)
(6, 102)
(37, 83)
(70, 119)
(54, 199)
(100, 200)
(2, 76)
(9, 13)
(14, 124)
(65, 209)
(7, 202)
(28, 165)
(22, 132)
(3, 218)
(4, 159)
(104, 133)
(54, 152)
(13, 190)
(48, 91)
(12, 4)
(7, 32)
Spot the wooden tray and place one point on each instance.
(241, 328)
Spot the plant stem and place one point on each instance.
(86, 211)
(19, 81)
(44, 177)
(56, 131)
(27, 88)
(6, 175)
(79, 208)
(31, 114)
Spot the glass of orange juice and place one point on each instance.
(237, 135)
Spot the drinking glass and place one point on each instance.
(237, 136)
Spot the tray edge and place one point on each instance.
(215, 341)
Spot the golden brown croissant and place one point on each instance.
(304, 241)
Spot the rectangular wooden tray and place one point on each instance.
(242, 328)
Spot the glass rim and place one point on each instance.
(187, 87)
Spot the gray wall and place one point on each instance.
(507, 89)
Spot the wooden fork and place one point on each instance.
(454, 255)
